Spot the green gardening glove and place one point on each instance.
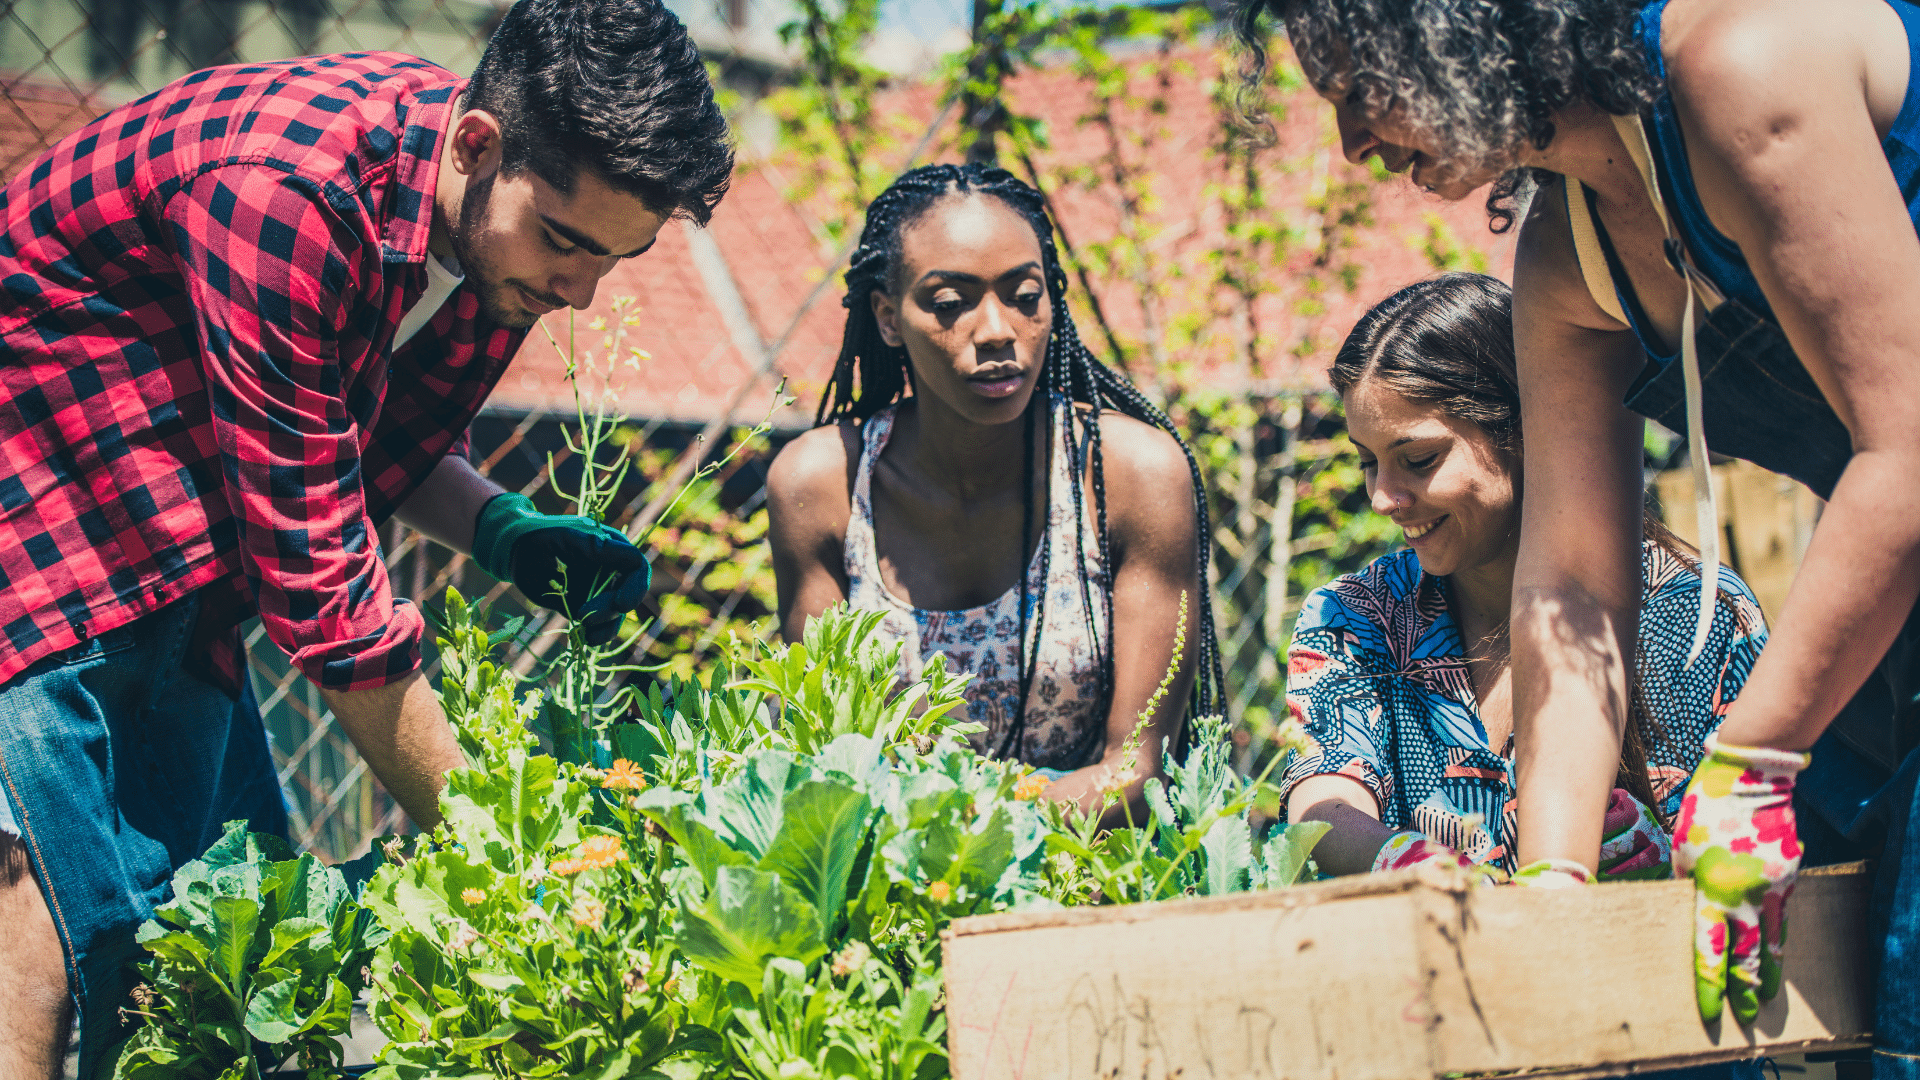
(1736, 838)
(586, 570)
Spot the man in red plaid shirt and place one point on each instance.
(243, 321)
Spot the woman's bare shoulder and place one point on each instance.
(1149, 485)
(811, 479)
(1134, 451)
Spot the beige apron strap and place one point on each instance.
(1634, 133)
(1586, 249)
(1706, 506)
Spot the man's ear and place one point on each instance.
(887, 314)
(477, 144)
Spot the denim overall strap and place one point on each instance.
(1759, 403)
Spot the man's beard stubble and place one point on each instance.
(496, 296)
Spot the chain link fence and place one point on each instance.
(1271, 459)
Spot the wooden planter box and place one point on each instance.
(1387, 977)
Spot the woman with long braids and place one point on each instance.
(1004, 497)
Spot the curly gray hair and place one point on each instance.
(1481, 77)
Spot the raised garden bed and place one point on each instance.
(1392, 977)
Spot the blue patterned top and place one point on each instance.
(1377, 673)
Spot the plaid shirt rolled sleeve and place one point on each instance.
(275, 277)
(198, 393)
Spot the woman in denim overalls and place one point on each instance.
(1766, 152)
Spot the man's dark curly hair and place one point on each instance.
(611, 85)
(1483, 77)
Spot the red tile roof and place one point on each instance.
(777, 260)
(696, 368)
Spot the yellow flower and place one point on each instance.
(1030, 786)
(473, 896)
(940, 891)
(589, 913)
(600, 852)
(1293, 736)
(625, 775)
(852, 958)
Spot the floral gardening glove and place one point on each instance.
(1633, 846)
(604, 576)
(1553, 874)
(1738, 842)
(1406, 850)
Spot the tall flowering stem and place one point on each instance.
(590, 684)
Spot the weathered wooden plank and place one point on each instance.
(1383, 978)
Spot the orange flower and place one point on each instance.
(568, 867)
(600, 852)
(473, 896)
(940, 891)
(1030, 786)
(625, 775)
(589, 913)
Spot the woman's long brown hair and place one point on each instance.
(1448, 341)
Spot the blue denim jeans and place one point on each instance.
(118, 768)
(1849, 807)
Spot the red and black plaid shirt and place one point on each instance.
(198, 296)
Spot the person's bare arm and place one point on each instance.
(446, 506)
(1357, 833)
(1150, 516)
(809, 501)
(1576, 586)
(403, 734)
(1793, 171)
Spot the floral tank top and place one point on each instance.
(1065, 725)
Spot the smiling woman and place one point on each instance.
(1400, 672)
(1005, 498)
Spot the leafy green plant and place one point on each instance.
(840, 680)
(740, 872)
(255, 960)
(744, 891)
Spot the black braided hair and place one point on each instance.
(1069, 370)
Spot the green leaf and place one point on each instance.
(499, 1034)
(823, 826)
(289, 933)
(177, 946)
(517, 810)
(746, 811)
(1289, 849)
(234, 920)
(1228, 845)
(976, 854)
(673, 811)
(615, 1068)
(507, 632)
(747, 917)
(272, 1012)
(499, 981)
